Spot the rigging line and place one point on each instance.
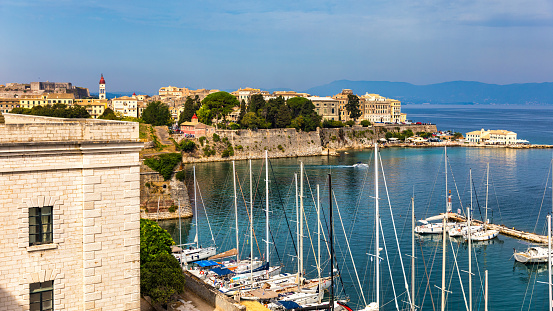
(456, 189)
(431, 269)
(348, 247)
(207, 218)
(248, 213)
(283, 207)
(477, 203)
(395, 232)
(458, 273)
(542, 199)
(432, 193)
(497, 201)
(427, 280)
(388, 260)
(314, 204)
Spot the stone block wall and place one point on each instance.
(94, 259)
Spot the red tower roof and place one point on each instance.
(194, 117)
(102, 81)
(133, 94)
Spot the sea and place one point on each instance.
(519, 195)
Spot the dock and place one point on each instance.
(510, 232)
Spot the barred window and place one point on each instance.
(40, 225)
(42, 296)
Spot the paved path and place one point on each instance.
(163, 135)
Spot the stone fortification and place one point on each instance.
(87, 174)
(291, 143)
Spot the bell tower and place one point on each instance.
(102, 94)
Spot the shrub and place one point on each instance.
(332, 124)
(161, 278)
(208, 151)
(216, 137)
(180, 175)
(333, 138)
(187, 145)
(350, 123)
(234, 126)
(173, 208)
(365, 123)
(238, 147)
(202, 140)
(229, 152)
(280, 148)
(164, 164)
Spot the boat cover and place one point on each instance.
(206, 263)
(221, 271)
(289, 304)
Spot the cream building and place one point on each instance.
(375, 108)
(126, 106)
(70, 213)
(492, 137)
(94, 107)
(7, 104)
(327, 107)
(30, 101)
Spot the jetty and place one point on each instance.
(510, 232)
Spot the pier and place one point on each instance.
(510, 232)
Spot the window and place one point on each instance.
(40, 225)
(42, 296)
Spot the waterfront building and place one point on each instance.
(102, 92)
(196, 129)
(326, 107)
(94, 107)
(492, 137)
(375, 108)
(7, 104)
(70, 212)
(126, 106)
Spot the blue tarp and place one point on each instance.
(289, 304)
(206, 263)
(221, 271)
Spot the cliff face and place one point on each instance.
(280, 143)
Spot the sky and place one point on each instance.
(141, 46)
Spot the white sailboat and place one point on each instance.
(483, 233)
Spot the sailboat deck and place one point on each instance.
(511, 232)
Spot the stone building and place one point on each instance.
(70, 213)
(327, 107)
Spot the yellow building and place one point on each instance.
(492, 137)
(94, 107)
(327, 107)
(30, 101)
(342, 99)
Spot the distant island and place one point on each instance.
(455, 92)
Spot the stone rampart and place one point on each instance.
(210, 295)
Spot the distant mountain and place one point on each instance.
(455, 92)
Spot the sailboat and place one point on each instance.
(483, 233)
(536, 254)
(191, 254)
(429, 227)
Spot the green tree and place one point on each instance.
(189, 110)
(257, 103)
(154, 240)
(161, 279)
(457, 135)
(220, 104)
(157, 113)
(251, 121)
(283, 118)
(242, 111)
(108, 114)
(272, 109)
(204, 115)
(164, 163)
(56, 110)
(332, 124)
(352, 107)
(365, 123)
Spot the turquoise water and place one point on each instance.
(518, 197)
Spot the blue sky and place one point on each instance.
(144, 45)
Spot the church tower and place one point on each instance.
(102, 94)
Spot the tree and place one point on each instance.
(108, 114)
(188, 112)
(251, 121)
(156, 114)
(220, 104)
(242, 111)
(365, 123)
(56, 110)
(283, 117)
(272, 109)
(457, 135)
(154, 240)
(257, 103)
(204, 115)
(352, 107)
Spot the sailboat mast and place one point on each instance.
(469, 213)
(549, 261)
(196, 209)
(331, 234)
(487, 187)
(377, 229)
(319, 243)
(236, 212)
(413, 254)
(486, 290)
(301, 221)
(251, 224)
(443, 234)
(267, 205)
(297, 224)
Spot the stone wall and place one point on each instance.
(93, 187)
(210, 295)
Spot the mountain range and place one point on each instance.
(455, 92)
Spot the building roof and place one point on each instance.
(124, 98)
(102, 81)
(60, 96)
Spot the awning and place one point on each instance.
(289, 305)
(222, 271)
(206, 263)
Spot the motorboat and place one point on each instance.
(534, 254)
